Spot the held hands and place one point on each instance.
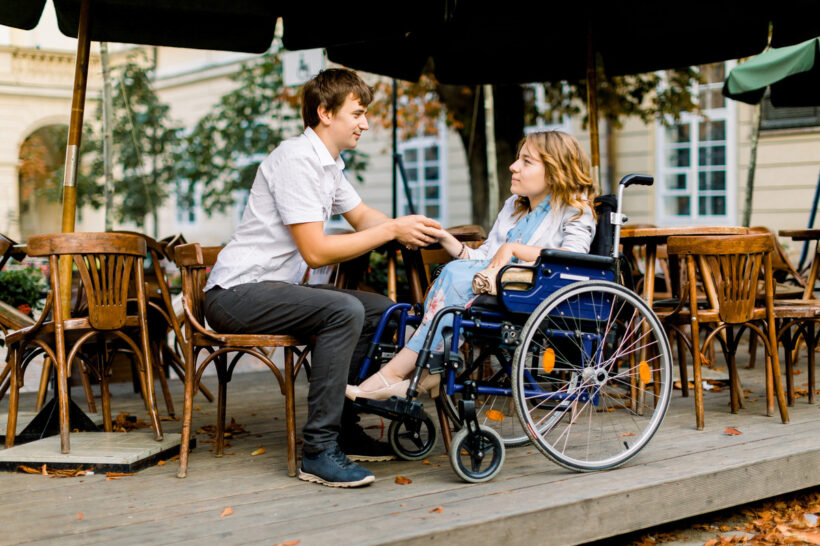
(416, 230)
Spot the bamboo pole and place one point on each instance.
(72, 152)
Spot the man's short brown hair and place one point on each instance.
(330, 88)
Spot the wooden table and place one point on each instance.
(806, 235)
(654, 236)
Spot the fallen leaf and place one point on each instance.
(197, 408)
(289, 543)
(494, 415)
(806, 536)
(80, 515)
(259, 451)
(731, 431)
(161, 463)
(625, 434)
(226, 512)
(426, 461)
(118, 474)
(401, 480)
(436, 510)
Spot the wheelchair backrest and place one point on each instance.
(602, 244)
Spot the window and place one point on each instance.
(425, 166)
(696, 160)
(535, 104)
(790, 117)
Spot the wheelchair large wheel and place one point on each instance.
(592, 376)
(477, 458)
(495, 411)
(412, 439)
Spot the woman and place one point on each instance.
(550, 208)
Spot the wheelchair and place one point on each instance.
(581, 361)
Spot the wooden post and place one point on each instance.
(75, 130)
(592, 109)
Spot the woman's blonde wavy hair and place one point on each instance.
(566, 171)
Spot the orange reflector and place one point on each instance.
(494, 415)
(644, 372)
(548, 360)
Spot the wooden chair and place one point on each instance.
(105, 263)
(730, 267)
(192, 260)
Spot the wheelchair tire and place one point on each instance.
(592, 354)
(412, 440)
(492, 410)
(479, 459)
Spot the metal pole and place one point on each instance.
(812, 215)
(592, 109)
(107, 139)
(395, 149)
(72, 153)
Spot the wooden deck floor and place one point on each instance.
(681, 473)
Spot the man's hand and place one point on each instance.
(416, 230)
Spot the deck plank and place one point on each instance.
(682, 472)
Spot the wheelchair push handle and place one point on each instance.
(639, 179)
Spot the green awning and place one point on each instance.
(792, 72)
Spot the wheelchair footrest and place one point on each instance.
(393, 408)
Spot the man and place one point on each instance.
(254, 286)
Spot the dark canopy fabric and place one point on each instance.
(235, 25)
(542, 41)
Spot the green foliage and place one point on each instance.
(223, 151)
(651, 96)
(144, 139)
(21, 286)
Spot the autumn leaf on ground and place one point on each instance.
(226, 512)
(437, 510)
(401, 480)
(289, 543)
(732, 431)
(80, 515)
(259, 451)
(161, 463)
(118, 474)
(627, 434)
(806, 536)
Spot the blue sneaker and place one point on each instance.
(331, 467)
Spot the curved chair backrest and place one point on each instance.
(194, 260)
(731, 265)
(105, 263)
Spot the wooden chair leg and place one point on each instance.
(220, 417)
(778, 378)
(166, 392)
(786, 341)
(769, 392)
(444, 424)
(14, 392)
(62, 397)
(811, 344)
(752, 350)
(43, 389)
(290, 411)
(178, 366)
(86, 381)
(105, 394)
(187, 412)
(684, 373)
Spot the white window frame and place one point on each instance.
(728, 114)
(420, 143)
(541, 106)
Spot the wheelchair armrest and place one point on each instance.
(564, 257)
(499, 285)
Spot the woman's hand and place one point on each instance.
(504, 254)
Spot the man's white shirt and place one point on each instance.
(298, 182)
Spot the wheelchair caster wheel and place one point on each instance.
(412, 439)
(477, 457)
